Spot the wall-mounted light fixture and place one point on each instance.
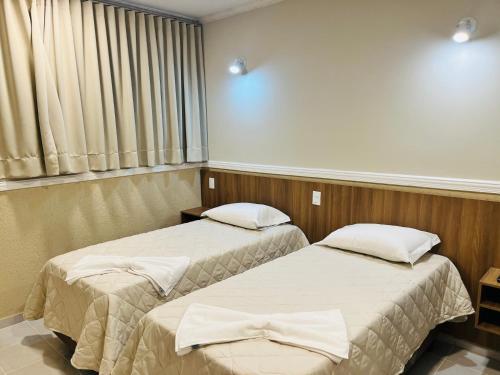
(238, 66)
(464, 30)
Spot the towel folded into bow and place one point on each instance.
(322, 332)
(162, 272)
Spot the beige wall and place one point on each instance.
(40, 223)
(358, 85)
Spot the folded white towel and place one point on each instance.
(322, 332)
(162, 272)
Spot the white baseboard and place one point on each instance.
(445, 183)
(11, 320)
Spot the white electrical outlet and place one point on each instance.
(316, 198)
(211, 183)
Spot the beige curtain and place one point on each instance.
(60, 111)
(20, 149)
(114, 88)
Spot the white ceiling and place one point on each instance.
(204, 10)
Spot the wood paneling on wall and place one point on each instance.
(469, 228)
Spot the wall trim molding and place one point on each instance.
(442, 183)
(7, 185)
(11, 320)
(256, 4)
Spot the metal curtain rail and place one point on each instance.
(149, 10)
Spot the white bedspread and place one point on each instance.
(100, 312)
(388, 308)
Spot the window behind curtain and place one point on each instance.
(91, 87)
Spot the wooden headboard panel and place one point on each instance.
(469, 228)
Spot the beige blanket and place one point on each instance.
(388, 308)
(100, 312)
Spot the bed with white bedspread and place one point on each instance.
(100, 312)
(389, 309)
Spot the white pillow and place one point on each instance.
(247, 215)
(397, 244)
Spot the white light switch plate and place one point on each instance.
(211, 183)
(316, 198)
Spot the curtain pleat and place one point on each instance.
(194, 102)
(110, 147)
(201, 106)
(101, 88)
(162, 132)
(174, 91)
(57, 88)
(20, 148)
(99, 119)
(123, 86)
(156, 89)
(145, 104)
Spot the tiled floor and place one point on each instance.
(446, 359)
(27, 348)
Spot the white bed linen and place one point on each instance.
(100, 312)
(389, 309)
(162, 272)
(322, 332)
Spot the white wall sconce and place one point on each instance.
(464, 30)
(238, 66)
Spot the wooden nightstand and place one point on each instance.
(488, 302)
(192, 214)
